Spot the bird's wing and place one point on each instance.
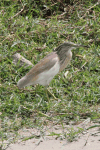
(45, 64)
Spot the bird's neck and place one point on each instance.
(65, 59)
(64, 55)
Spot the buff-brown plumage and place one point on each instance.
(44, 71)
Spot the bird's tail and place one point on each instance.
(23, 82)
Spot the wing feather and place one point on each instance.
(45, 64)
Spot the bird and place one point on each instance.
(45, 70)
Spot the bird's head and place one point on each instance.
(64, 50)
(68, 46)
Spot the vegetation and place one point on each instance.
(33, 29)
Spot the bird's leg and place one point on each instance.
(47, 90)
(52, 94)
(36, 88)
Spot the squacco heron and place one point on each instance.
(45, 70)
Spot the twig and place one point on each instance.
(83, 64)
(8, 37)
(53, 4)
(18, 12)
(86, 140)
(43, 114)
(61, 2)
(61, 15)
(89, 10)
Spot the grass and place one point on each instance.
(78, 93)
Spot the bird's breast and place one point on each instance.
(66, 61)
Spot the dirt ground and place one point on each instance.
(89, 140)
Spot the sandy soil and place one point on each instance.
(84, 143)
(90, 140)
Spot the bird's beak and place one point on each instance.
(79, 45)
